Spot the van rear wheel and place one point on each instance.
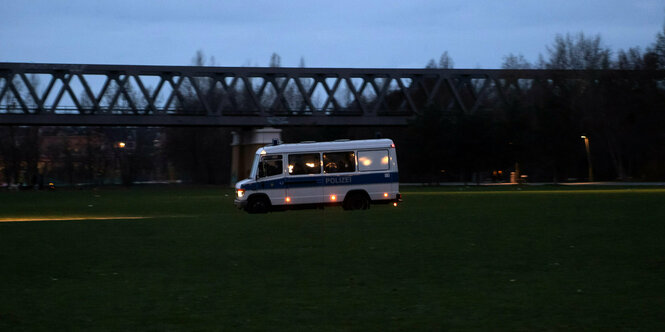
(356, 201)
(258, 204)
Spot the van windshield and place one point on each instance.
(255, 165)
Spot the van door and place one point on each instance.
(304, 183)
(270, 178)
(374, 167)
(339, 168)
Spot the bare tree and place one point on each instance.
(658, 48)
(275, 60)
(515, 61)
(630, 59)
(578, 52)
(445, 62)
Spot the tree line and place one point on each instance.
(538, 130)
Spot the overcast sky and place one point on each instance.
(333, 33)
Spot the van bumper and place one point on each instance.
(240, 204)
(397, 200)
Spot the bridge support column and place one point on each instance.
(244, 146)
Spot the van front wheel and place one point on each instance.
(356, 201)
(258, 204)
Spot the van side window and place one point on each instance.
(339, 162)
(270, 165)
(376, 160)
(305, 163)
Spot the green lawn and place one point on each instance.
(537, 258)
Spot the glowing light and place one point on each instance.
(333, 197)
(121, 144)
(384, 160)
(290, 169)
(583, 136)
(73, 218)
(310, 164)
(385, 194)
(263, 152)
(392, 145)
(287, 199)
(395, 204)
(365, 161)
(240, 193)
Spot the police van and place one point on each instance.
(351, 173)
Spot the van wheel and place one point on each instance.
(258, 204)
(356, 201)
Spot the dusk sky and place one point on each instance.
(339, 33)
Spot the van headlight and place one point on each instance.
(240, 193)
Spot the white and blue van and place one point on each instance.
(353, 173)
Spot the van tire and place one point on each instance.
(356, 201)
(258, 204)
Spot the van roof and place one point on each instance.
(330, 146)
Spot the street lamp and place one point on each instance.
(588, 157)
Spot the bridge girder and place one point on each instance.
(124, 95)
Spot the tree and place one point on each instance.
(577, 52)
(200, 60)
(19, 153)
(445, 61)
(513, 61)
(658, 48)
(631, 59)
(571, 108)
(275, 60)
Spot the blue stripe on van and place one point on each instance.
(322, 180)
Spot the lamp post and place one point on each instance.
(588, 157)
(120, 150)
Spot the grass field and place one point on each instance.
(547, 258)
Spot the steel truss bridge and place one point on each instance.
(123, 95)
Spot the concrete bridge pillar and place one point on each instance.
(244, 146)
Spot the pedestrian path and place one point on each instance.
(597, 183)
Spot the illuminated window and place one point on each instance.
(376, 160)
(270, 165)
(305, 163)
(339, 162)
